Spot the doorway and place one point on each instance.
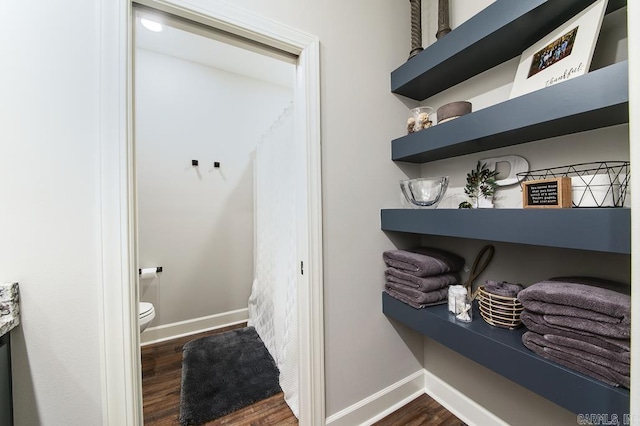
(215, 163)
(205, 106)
(122, 398)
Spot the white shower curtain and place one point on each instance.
(273, 300)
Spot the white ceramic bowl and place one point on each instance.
(425, 192)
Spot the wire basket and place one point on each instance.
(499, 311)
(602, 184)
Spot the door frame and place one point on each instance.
(119, 337)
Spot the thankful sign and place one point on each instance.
(547, 193)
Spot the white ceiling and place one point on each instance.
(200, 46)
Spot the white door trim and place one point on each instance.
(119, 337)
(121, 384)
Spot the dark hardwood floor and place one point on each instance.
(422, 411)
(161, 376)
(162, 373)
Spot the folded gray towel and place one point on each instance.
(548, 341)
(536, 322)
(597, 327)
(581, 307)
(621, 360)
(432, 298)
(503, 288)
(596, 282)
(431, 283)
(536, 343)
(417, 295)
(423, 261)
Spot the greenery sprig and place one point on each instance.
(481, 182)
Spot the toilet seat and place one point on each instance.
(146, 309)
(147, 314)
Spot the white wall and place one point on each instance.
(50, 215)
(197, 222)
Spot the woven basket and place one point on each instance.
(499, 311)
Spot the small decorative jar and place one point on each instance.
(421, 118)
(460, 303)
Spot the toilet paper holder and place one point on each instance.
(158, 269)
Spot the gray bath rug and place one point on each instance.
(223, 373)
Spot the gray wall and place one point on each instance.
(51, 157)
(361, 42)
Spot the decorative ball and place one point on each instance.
(411, 125)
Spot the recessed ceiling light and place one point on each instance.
(156, 27)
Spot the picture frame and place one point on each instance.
(548, 193)
(562, 54)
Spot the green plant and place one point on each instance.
(481, 182)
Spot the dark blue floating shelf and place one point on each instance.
(596, 229)
(502, 351)
(594, 100)
(501, 31)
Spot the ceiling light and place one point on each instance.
(156, 27)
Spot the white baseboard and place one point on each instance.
(391, 398)
(174, 330)
(380, 404)
(458, 403)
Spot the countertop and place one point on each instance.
(9, 307)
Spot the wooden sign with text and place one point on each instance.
(551, 193)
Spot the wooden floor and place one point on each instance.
(422, 411)
(161, 376)
(162, 373)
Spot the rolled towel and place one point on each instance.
(431, 283)
(536, 343)
(503, 288)
(581, 307)
(536, 322)
(419, 301)
(423, 261)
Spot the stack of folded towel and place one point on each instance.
(420, 277)
(580, 325)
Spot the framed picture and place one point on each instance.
(564, 53)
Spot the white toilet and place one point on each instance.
(147, 314)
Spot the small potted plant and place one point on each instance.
(480, 187)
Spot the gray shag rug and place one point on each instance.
(223, 373)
